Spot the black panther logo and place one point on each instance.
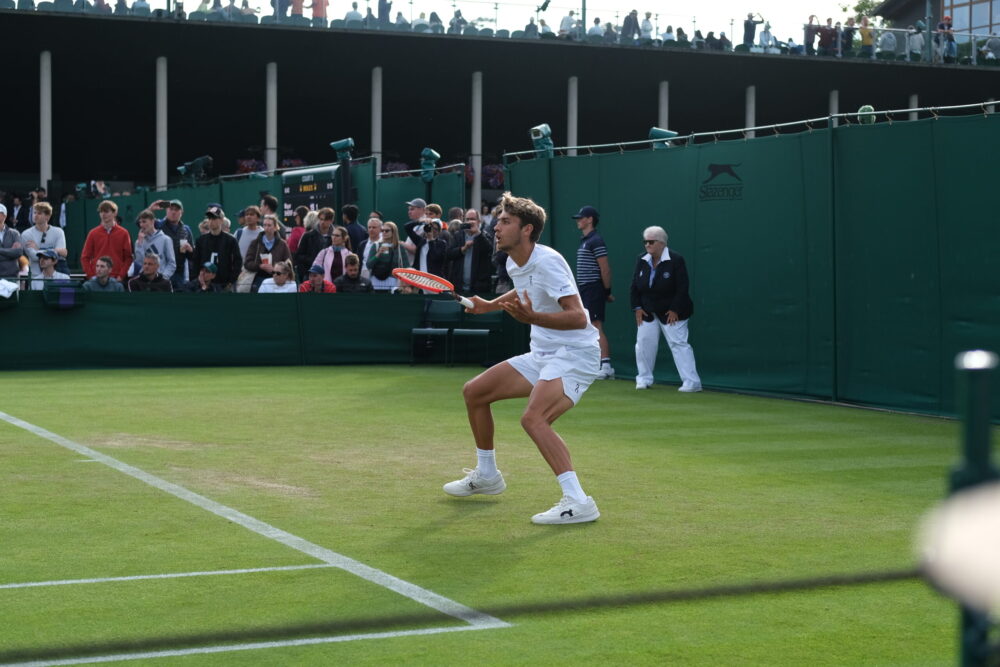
(716, 170)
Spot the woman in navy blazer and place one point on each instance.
(662, 303)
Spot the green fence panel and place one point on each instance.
(448, 190)
(969, 239)
(238, 194)
(363, 178)
(530, 178)
(887, 277)
(575, 182)
(751, 280)
(393, 193)
(114, 330)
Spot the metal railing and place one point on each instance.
(746, 133)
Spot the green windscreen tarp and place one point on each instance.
(851, 265)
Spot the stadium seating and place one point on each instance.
(354, 25)
(486, 324)
(337, 23)
(299, 21)
(595, 39)
(486, 32)
(25, 5)
(437, 29)
(45, 7)
(517, 34)
(198, 16)
(7, 4)
(470, 31)
(440, 317)
(502, 34)
(138, 11)
(421, 27)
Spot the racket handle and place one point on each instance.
(465, 302)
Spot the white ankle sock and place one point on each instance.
(571, 486)
(487, 462)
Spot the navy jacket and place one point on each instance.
(669, 290)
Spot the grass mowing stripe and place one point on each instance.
(357, 568)
(239, 647)
(297, 635)
(173, 575)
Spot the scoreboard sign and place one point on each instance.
(314, 188)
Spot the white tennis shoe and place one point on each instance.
(606, 372)
(568, 510)
(474, 483)
(689, 388)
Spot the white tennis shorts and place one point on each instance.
(577, 367)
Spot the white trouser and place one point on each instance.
(647, 340)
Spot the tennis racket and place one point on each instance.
(430, 282)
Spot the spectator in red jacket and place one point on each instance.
(316, 282)
(109, 239)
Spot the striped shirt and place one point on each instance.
(591, 247)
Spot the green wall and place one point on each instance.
(850, 265)
(446, 190)
(144, 330)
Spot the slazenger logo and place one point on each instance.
(729, 188)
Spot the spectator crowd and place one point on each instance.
(852, 37)
(320, 251)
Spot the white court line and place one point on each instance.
(174, 575)
(425, 597)
(238, 647)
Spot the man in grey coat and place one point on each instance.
(10, 247)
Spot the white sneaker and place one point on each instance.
(689, 388)
(474, 482)
(643, 385)
(568, 510)
(606, 372)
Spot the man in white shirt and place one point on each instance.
(354, 14)
(646, 28)
(47, 270)
(43, 236)
(596, 28)
(563, 362)
(566, 25)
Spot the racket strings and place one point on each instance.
(425, 282)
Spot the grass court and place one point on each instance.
(318, 469)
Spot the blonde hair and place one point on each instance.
(107, 205)
(43, 207)
(309, 222)
(395, 233)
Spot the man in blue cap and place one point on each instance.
(593, 279)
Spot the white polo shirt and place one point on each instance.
(547, 278)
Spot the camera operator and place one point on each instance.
(430, 251)
(471, 258)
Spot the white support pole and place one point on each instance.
(45, 119)
(750, 116)
(663, 119)
(271, 139)
(990, 108)
(377, 117)
(161, 123)
(476, 196)
(834, 106)
(914, 103)
(572, 113)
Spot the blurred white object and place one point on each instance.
(959, 547)
(7, 288)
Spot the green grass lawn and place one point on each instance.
(695, 490)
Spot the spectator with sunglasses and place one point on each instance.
(662, 303)
(282, 281)
(43, 236)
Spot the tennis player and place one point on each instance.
(564, 360)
